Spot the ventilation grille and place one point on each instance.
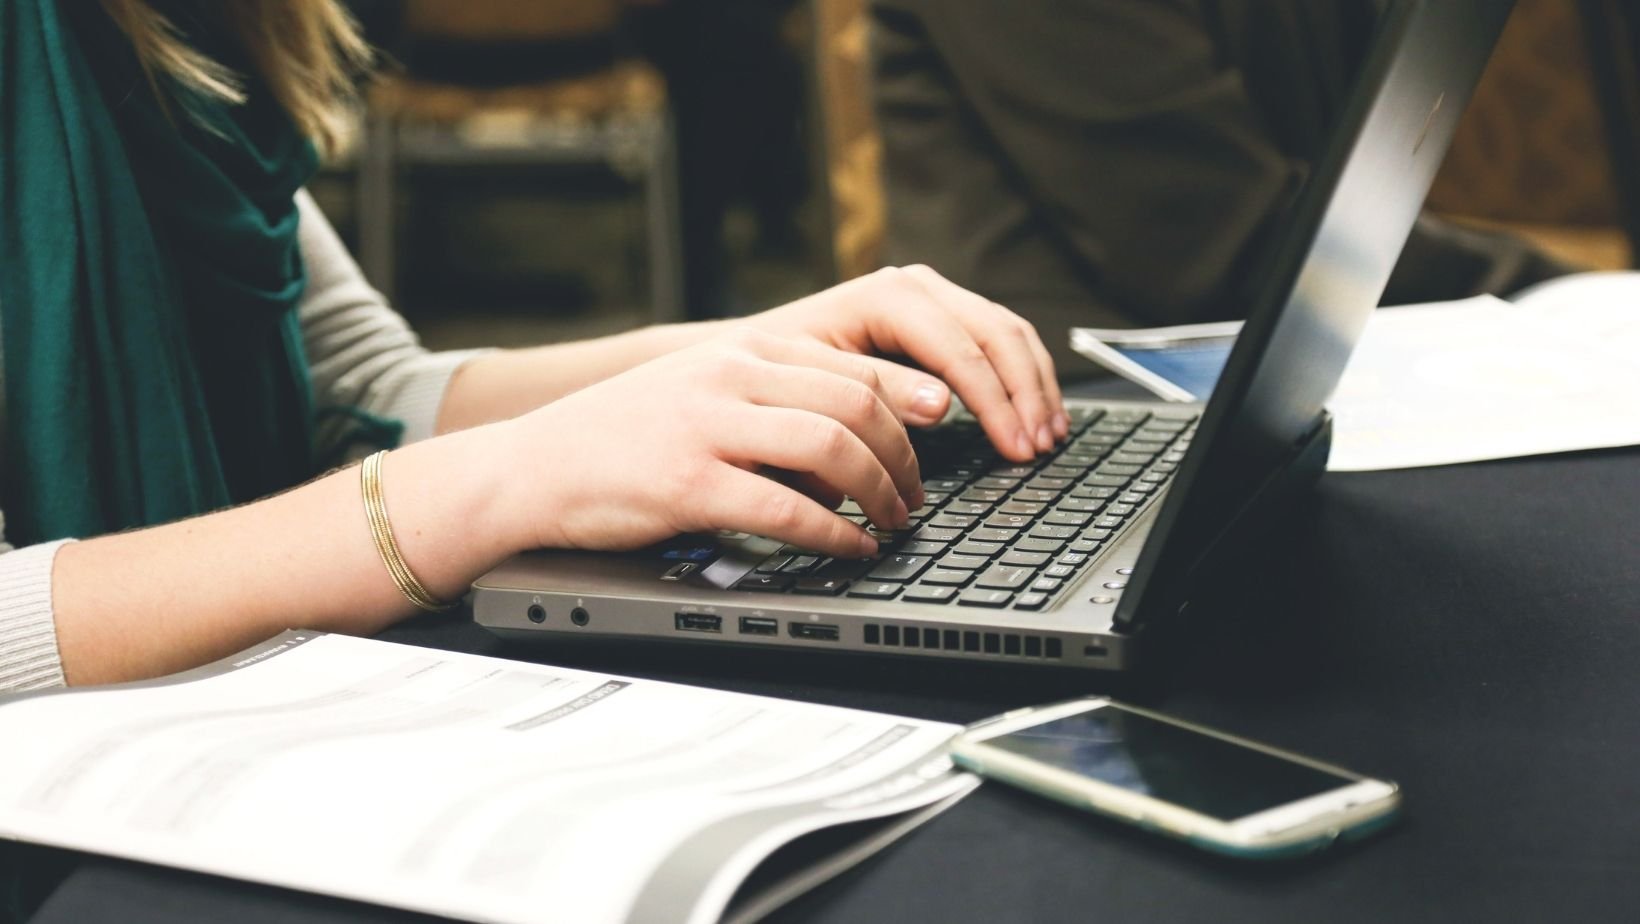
(930, 639)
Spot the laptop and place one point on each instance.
(1076, 559)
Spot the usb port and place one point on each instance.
(814, 632)
(697, 622)
(755, 625)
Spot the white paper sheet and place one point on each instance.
(472, 787)
(1556, 370)
(1486, 379)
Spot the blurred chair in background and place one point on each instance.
(497, 82)
(1548, 146)
(852, 149)
(737, 89)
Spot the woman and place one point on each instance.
(184, 334)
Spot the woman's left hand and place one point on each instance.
(992, 357)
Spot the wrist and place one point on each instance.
(453, 506)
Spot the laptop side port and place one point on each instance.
(757, 625)
(697, 622)
(813, 632)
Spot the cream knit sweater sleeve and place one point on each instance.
(363, 358)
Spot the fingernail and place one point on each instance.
(1062, 425)
(1023, 444)
(868, 546)
(1044, 438)
(902, 516)
(928, 400)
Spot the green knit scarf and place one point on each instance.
(149, 273)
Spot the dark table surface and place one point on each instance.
(1472, 632)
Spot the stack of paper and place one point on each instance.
(1556, 370)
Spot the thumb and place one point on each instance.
(916, 397)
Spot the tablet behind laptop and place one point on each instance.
(1067, 560)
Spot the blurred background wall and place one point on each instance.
(531, 171)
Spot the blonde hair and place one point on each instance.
(308, 52)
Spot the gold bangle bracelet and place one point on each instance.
(381, 532)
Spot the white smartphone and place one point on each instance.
(1216, 791)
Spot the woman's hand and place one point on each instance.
(991, 356)
(678, 444)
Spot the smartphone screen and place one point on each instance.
(1193, 365)
(1167, 762)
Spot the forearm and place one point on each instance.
(507, 383)
(156, 600)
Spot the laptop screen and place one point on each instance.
(1321, 284)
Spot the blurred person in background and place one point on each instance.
(1117, 163)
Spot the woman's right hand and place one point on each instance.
(680, 444)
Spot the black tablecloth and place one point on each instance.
(1472, 632)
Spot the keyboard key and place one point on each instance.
(995, 599)
(1058, 571)
(1005, 577)
(946, 576)
(1094, 492)
(1047, 584)
(1049, 483)
(1014, 521)
(982, 495)
(995, 483)
(1108, 522)
(1031, 601)
(1098, 534)
(800, 564)
(1112, 468)
(1085, 546)
(1034, 496)
(1079, 505)
(1067, 518)
(992, 534)
(1012, 471)
(951, 521)
(1039, 544)
(774, 583)
(923, 594)
(1154, 477)
(946, 486)
(773, 563)
(1102, 480)
(1068, 472)
(1050, 531)
(966, 508)
(820, 587)
(922, 547)
(846, 569)
(898, 568)
(1026, 559)
(875, 591)
(958, 562)
(1120, 510)
(978, 549)
(933, 534)
(1073, 559)
(1021, 508)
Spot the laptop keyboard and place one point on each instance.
(995, 533)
